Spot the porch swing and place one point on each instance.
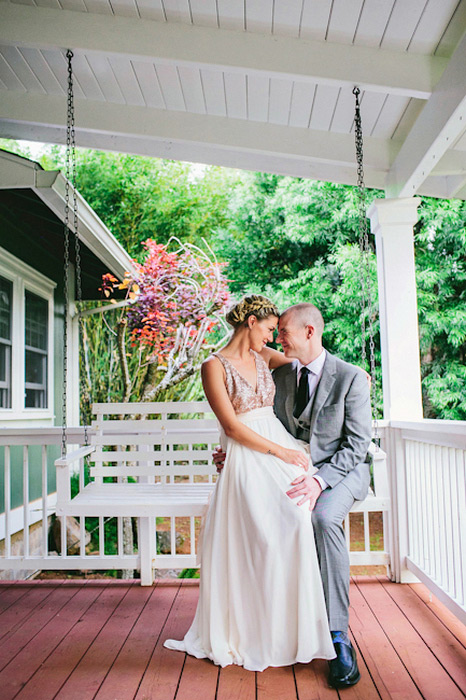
(158, 452)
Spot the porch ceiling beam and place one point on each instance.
(441, 121)
(399, 73)
(186, 136)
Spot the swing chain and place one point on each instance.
(70, 183)
(367, 304)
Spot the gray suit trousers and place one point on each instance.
(332, 507)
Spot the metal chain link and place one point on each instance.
(70, 174)
(367, 304)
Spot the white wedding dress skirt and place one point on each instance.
(261, 601)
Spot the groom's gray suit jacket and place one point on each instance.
(336, 421)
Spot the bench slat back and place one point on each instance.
(151, 444)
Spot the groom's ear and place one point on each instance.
(310, 331)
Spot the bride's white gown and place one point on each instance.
(261, 601)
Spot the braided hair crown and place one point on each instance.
(253, 305)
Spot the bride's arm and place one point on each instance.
(213, 382)
(274, 358)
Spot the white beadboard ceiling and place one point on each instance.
(255, 84)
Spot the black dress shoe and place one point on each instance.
(344, 669)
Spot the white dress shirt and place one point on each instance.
(316, 367)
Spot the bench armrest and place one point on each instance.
(74, 456)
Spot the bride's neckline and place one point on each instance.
(239, 373)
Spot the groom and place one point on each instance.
(326, 402)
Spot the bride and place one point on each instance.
(261, 601)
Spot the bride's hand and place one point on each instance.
(300, 459)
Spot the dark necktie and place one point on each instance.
(302, 395)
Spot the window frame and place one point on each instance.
(25, 278)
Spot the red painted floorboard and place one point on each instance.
(55, 671)
(87, 677)
(103, 640)
(125, 675)
(161, 677)
(24, 664)
(423, 667)
(22, 608)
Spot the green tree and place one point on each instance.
(440, 245)
(140, 198)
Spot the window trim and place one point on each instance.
(25, 278)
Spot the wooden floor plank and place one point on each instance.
(312, 683)
(236, 684)
(104, 641)
(9, 595)
(160, 680)
(17, 673)
(125, 675)
(421, 664)
(198, 680)
(54, 672)
(437, 608)
(435, 635)
(387, 671)
(21, 609)
(87, 677)
(276, 684)
(366, 688)
(11, 645)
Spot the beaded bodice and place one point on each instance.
(241, 394)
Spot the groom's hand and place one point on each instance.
(219, 458)
(307, 489)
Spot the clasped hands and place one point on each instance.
(305, 487)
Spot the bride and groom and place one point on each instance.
(274, 584)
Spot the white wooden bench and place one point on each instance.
(167, 449)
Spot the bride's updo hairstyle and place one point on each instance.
(254, 305)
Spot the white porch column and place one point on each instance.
(392, 222)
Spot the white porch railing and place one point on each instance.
(427, 466)
(424, 534)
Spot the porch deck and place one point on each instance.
(83, 639)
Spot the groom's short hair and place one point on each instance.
(308, 315)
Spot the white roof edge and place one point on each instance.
(19, 172)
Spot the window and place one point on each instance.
(6, 304)
(26, 341)
(36, 347)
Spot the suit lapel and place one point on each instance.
(324, 386)
(290, 392)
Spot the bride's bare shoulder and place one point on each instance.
(274, 358)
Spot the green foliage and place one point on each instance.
(140, 198)
(440, 244)
(189, 573)
(283, 225)
(289, 238)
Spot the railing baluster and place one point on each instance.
(440, 470)
(26, 500)
(7, 502)
(192, 535)
(64, 549)
(429, 525)
(101, 536)
(172, 535)
(461, 480)
(367, 540)
(120, 537)
(412, 541)
(446, 484)
(45, 544)
(454, 514)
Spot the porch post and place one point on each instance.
(392, 222)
